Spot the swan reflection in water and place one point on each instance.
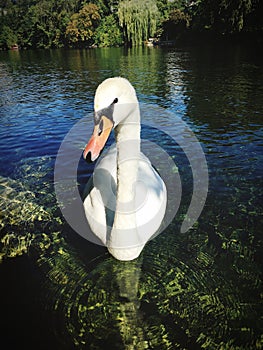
(100, 308)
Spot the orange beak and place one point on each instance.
(98, 139)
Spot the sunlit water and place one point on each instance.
(193, 290)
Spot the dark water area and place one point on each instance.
(200, 289)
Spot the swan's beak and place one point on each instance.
(98, 139)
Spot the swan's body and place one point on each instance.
(126, 198)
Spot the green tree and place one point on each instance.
(43, 24)
(176, 24)
(38, 23)
(7, 37)
(108, 32)
(223, 16)
(107, 7)
(138, 19)
(82, 25)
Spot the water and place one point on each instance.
(193, 290)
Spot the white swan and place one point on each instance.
(126, 198)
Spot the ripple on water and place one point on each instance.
(173, 296)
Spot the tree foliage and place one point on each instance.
(224, 16)
(138, 19)
(8, 37)
(177, 22)
(108, 33)
(82, 25)
(59, 23)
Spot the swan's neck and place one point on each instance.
(128, 140)
(127, 136)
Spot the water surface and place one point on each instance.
(193, 290)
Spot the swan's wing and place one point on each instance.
(151, 199)
(95, 214)
(100, 196)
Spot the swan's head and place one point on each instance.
(115, 100)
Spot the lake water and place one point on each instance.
(199, 289)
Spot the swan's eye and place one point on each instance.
(115, 100)
(100, 127)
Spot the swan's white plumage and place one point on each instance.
(127, 199)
